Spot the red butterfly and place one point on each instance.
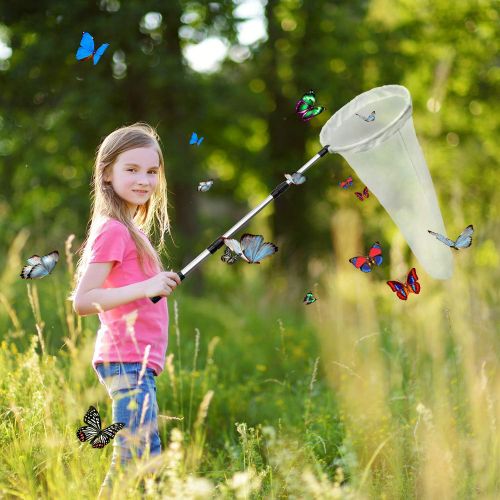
(364, 194)
(404, 289)
(346, 184)
(374, 257)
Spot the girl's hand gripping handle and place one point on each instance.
(162, 285)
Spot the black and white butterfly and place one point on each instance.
(251, 248)
(38, 267)
(229, 257)
(93, 433)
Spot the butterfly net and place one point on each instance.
(386, 156)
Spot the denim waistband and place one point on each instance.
(116, 368)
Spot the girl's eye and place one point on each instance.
(150, 172)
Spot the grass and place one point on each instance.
(358, 395)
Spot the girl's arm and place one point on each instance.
(89, 291)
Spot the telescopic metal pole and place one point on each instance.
(213, 247)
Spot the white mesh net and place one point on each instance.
(386, 156)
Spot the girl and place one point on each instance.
(117, 273)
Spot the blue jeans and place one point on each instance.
(135, 405)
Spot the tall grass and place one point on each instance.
(416, 381)
(236, 394)
(358, 395)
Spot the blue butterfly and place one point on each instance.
(38, 267)
(251, 247)
(295, 178)
(194, 139)
(204, 186)
(86, 49)
(369, 118)
(463, 241)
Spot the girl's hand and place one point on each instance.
(161, 285)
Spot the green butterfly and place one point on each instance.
(306, 108)
(309, 298)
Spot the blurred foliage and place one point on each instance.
(54, 110)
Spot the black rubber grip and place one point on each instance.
(214, 246)
(279, 189)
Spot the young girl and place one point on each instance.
(117, 273)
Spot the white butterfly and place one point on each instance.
(296, 178)
(251, 247)
(204, 186)
(38, 267)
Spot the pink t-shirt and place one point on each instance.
(115, 341)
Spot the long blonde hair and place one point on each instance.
(106, 204)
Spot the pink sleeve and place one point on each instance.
(110, 243)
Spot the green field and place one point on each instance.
(358, 395)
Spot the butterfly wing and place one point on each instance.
(399, 288)
(465, 238)
(309, 298)
(106, 435)
(366, 193)
(347, 183)
(93, 418)
(99, 52)
(204, 186)
(87, 433)
(200, 141)
(25, 272)
(309, 98)
(298, 178)
(359, 195)
(86, 48)
(194, 138)
(50, 260)
(301, 107)
(305, 103)
(295, 178)
(234, 246)
(442, 239)
(361, 263)
(375, 253)
(412, 281)
(254, 248)
(250, 243)
(311, 113)
(93, 427)
(229, 257)
(32, 262)
(34, 259)
(35, 272)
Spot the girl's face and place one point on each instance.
(135, 175)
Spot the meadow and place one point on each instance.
(358, 395)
